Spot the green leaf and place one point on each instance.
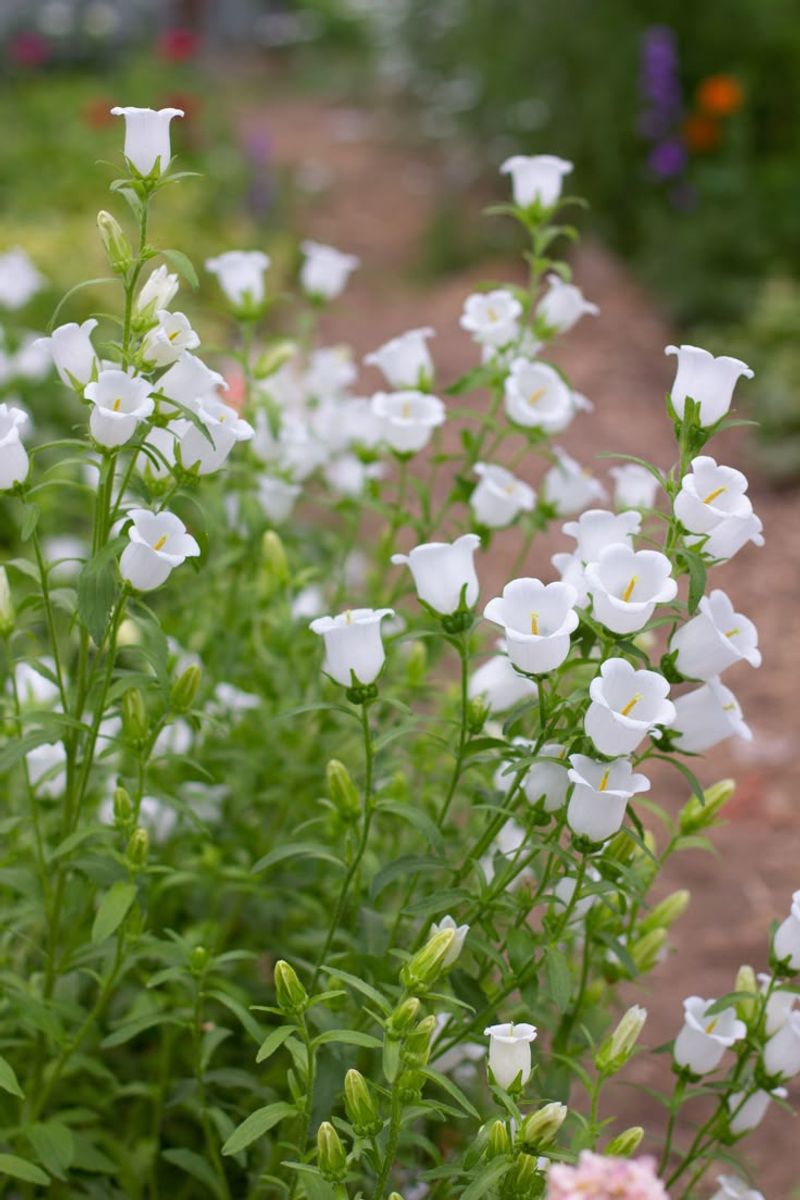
(401, 868)
(416, 817)
(20, 1168)
(257, 1124)
(559, 979)
(30, 519)
(252, 1026)
(113, 910)
(131, 1029)
(697, 576)
(366, 989)
(183, 265)
(53, 1145)
(97, 591)
(8, 1079)
(487, 1179)
(296, 850)
(348, 1037)
(453, 1092)
(273, 1041)
(197, 1167)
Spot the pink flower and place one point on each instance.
(599, 1178)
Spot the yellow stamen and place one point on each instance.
(711, 1026)
(491, 313)
(161, 543)
(348, 617)
(732, 632)
(405, 410)
(117, 404)
(535, 623)
(626, 595)
(729, 708)
(604, 782)
(629, 707)
(713, 495)
(171, 336)
(536, 396)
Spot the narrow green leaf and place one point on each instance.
(559, 979)
(488, 1178)
(296, 850)
(97, 591)
(20, 1168)
(257, 1124)
(8, 1079)
(197, 1167)
(113, 910)
(273, 1041)
(453, 1092)
(348, 1037)
(183, 265)
(53, 1145)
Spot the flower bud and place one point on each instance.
(404, 1017)
(477, 712)
(116, 245)
(625, 1143)
(292, 997)
(746, 982)
(276, 564)
(123, 808)
(525, 1176)
(542, 1126)
(417, 1048)
(134, 716)
(695, 816)
(395, 1196)
(274, 358)
(7, 614)
(428, 963)
(331, 1158)
(138, 847)
(667, 912)
(620, 849)
(184, 689)
(617, 1049)
(359, 1104)
(342, 790)
(198, 960)
(646, 952)
(498, 1141)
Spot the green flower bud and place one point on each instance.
(123, 808)
(292, 997)
(134, 716)
(417, 1048)
(184, 689)
(498, 1141)
(274, 358)
(695, 816)
(7, 614)
(359, 1105)
(667, 912)
(746, 982)
(115, 243)
(395, 1196)
(646, 952)
(404, 1017)
(342, 791)
(621, 848)
(198, 960)
(541, 1127)
(428, 963)
(276, 564)
(138, 847)
(617, 1049)
(625, 1143)
(477, 712)
(416, 664)
(525, 1176)
(331, 1158)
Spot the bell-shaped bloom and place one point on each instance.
(164, 343)
(626, 705)
(601, 1176)
(156, 293)
(707, 716)
(444, 572)
(348, 475)
(14, 462)
(703, 1040)
(277, 498)
(499, 497)
(295, 449)
(787, 937)
(536, 396)
(354, 652)
(120, 400)
(626, 585)
(547, 779)
(748, 1111)
(536, 178)
(224, 427)
(457, 944)
(714, 639)
(563, 892)
(189, 380)
(781, 1057)
(240, 274)
(634, 486)
(32, 359)
(705, 379)
(781, 1002)
(538, 619)
(563, 305)
(325, 271)
(510, 1053)
(158, 544)
(330, 372)
(147, 144)
(711, 494)
(19, 279)
(569, 487)
(492, 317)
(407, 419)
(600, 795)
(733, 1188)
(499, 686)
(73, 354)
(731, 535)
(597, 528)
(405, 361)
(572, 571)
(508, 842)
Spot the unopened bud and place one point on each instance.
(665, 914)
(625, 1143)
(404, 1017)
(276, 564)
(331, 1158)
(198, 960)
(7, 614)
(134, 716)
(115, 243)
(342, 790)
(123, 807)
(525, 1175)
(138, 847)
(428, 963)
(395, 1196)
(416, 664)
(617, 1049)
(292, 997)
(274, 358)
(184, 689)
(541, 1127)
(477, 712)
(621, 848)
(647, 951)
(498, 1141)
(695, 816)
(417, 1048)
(359, 1105)
(746, 982)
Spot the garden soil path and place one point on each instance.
(376, 200)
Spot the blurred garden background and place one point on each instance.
(378, 126)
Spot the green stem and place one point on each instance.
(308, 1107)
(463, 733)
(391, 1146)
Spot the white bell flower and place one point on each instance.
(407, 418)
(163, 343)
(569, 487)
(705, 379)
(732, 1188)
(161, 443)
(325, 270)
(47, 769)
(715, 639)
(330, 372)
(224, 427)
(787, 938)
(492, 317)
(32, 359)
(308, 603)
(563, 305)
(707, 716)
(571, 570)
(147, 144)
(536, 178)
(158, 544)
(328, 424)
(547, 781)
(294, 449)
(779, 1006)
(710, 494)
(626, 585)
(19, 279)
(565, 890)
(359, 424)
(703, 1040)
(354, 652)
(444, 572)
(499, 685)
(634, 486)
(730, 536)
(277, 498)
(120, 400)
(508, 842)
(600, 795)
(188, 380)
(240, 274)
(510, 1052)
(457, 944)
(405, 361)
(156, 293)
(626, 705)
(14, 462)
(348, 475)
(748, 1111)
(536, 397)
(499, 497)
(781, 1057)
(597, 528)
(72, 352)
(538, 619)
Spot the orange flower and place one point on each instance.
(701, 133)
(720, 95)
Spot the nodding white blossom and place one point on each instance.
(330, 372)
(597, 528)
(188, 380)
(787, 938)
(19, 279)
(563, 305)
(444, 572)
(536, 178)
(240, 274)
(499, 685)
(706, 716)
(730, 536)
(120, 400)
(748, 1111)
(781, 1057)
(147, 144)
(547, 781)
(354, 652)
(156, 293)
(158, 544)
(780, 1003)
(625, 586)
(538, 619)
(626, 705)
(569, 487)
(70, 347)
(634, 486)
(277, 498)
(405, 361)
(703, 1040)
(499, 497)
(733, 1188)
(705, 379)
(600, 795)
(325, 270)
(536, 397)
(294, 448)
(224, 428)
(407, 419)
(47, 769)
(349, 476)
(510, 1052)
(714, 639)
(711, 494)
(163, 343)
(565, 890)
(457, 944)
(571, 570)
(358, 422)
(492, 317)
(14, 462)
(32, 359)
